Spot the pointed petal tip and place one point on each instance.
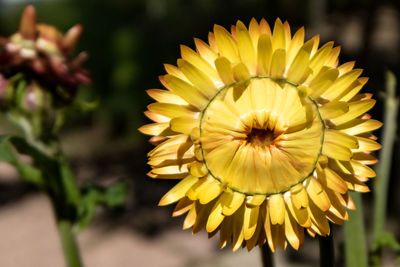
(28, 22)
(72, 37)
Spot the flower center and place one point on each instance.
(261, 136)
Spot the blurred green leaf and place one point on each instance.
(27, 172)
(115, 195)
(5, 152)
(388, 240)
(112, 197)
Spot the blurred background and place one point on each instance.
(128, 41)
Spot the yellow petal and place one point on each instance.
(334, 181)
(346, 67)
(175, 71)
(278, 36)
(224, 69)
(354, 89)
(190, 218)
(165, 96)
(264, 54)
(333, 57)
(178, 191)
(171, 110)
(339, 138)
(341, 84)
(197, 78)
(333, 109)
(336, 208)
(299, 67)
(200, 63)
(240, 72)
(295, 44)
(322, 82)
(183, 206)
(362, 170)
(364, 158)
(156, 117)
(319, 219)
(245, 47)
(359, 126)
(299, 214)
(184, 124)
(205, 52)
(198, 169)
(355, 184)
(202, 183)
(292, 231)
(336, 151)
(255, 200)
(320, 57)
(161, 128)
(317, 194)
(254, 31)
(264, 27)
(250, 221)
(366, 144)
(201, 220)
(238, 235)
(355, 109)
(226, 45)
(278, 63)
(231, 202)
(299, 196)
(210, 192)
(216, 217)
(276, 207)
(189, 93)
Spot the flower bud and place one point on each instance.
(34, 98)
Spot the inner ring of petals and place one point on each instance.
(261, 136)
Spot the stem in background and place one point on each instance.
(267, 257)
(354, 232)
(381, 182)
(70, 248)
(326, 250)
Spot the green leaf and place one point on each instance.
(115, 195)
(387, 240)
(111, 197)
(27, 172)
(6, 154)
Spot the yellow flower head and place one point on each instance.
(267, 134)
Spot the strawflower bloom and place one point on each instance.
(266, 132)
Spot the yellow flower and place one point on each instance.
(266, 133)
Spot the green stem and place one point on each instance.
(327, 250)
(383, 168)
(355, 243)
(267, 257)
(70, 248)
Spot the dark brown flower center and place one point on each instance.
(261, 137)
